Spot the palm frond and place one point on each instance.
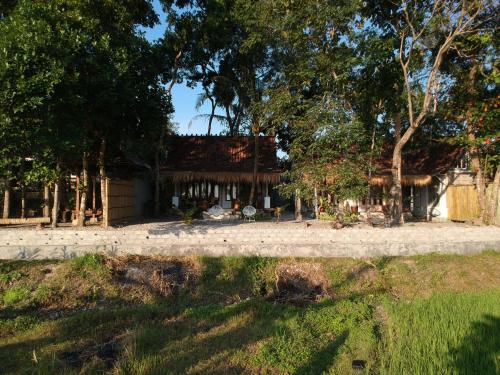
(206, 116)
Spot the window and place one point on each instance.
(216, 191)
(228, 192)
(463, 162)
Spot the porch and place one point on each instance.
(228, 195)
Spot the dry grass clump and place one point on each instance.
(83, 281)
(155, 276)
(300, 282)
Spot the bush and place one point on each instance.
(11, 276)
(43, 294)
(87, 261)
(19, 324)
(15, 295)
(189, 214)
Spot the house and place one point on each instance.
(436, 179)
(127, 192)
(209, 170)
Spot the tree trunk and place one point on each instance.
(397, 127)
(479, 179)
(157, 172)
(396, 191)
(212, 114)
(475, 161)
(55, 207)
(237, 119)
(230, 122)
(255, 168)
(46, 201)
(492, 216)
(298, 206)
(369, 195)
(84, 191)
(23, 201)
(157, 182)
(414, 122)
(102, 175)
(316, 204)
(6, 201)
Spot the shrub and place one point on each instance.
(19, 324)
(189, 214)
(11, 276)
(15, 295)
(43, 294)
(87, 261)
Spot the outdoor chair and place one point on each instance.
(249, 213)
(214, 213)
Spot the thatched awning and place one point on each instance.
(415, 180)
(221, 177)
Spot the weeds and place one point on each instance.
(15, 295)
(85, 317)
(86, 262)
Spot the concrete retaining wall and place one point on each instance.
(247, 240)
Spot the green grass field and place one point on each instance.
(432, 314)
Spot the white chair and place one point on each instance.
(214, 213)
(249, 213)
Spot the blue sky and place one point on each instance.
(183, 97)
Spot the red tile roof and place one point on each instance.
(436, 158)
(217, 156)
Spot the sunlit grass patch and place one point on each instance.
(394, 313)
(447, 333)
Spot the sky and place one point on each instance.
(183, 97)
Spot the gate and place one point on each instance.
(462, 203)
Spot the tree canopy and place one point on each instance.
(334, 81)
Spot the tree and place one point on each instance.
(79, 76)
(35, 43)
(471, 105)
(427, 32)
(305, 90)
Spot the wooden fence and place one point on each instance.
(462, 203)
(120, 201)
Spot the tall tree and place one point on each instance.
(427, 32)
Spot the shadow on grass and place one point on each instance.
(322, 360)
(209, 331)
(479, 352)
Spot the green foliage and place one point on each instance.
(188, 214)
(11, 276)
(15, 295)
(42, 294)
(445, 332)
(18, 325)
(328, 156)
(226, 324)
(75, 73)
(262, 274)
(88, 262)
(310, 338)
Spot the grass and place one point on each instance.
(429, 314)
(453, 332)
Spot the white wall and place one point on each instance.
(438, 209)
